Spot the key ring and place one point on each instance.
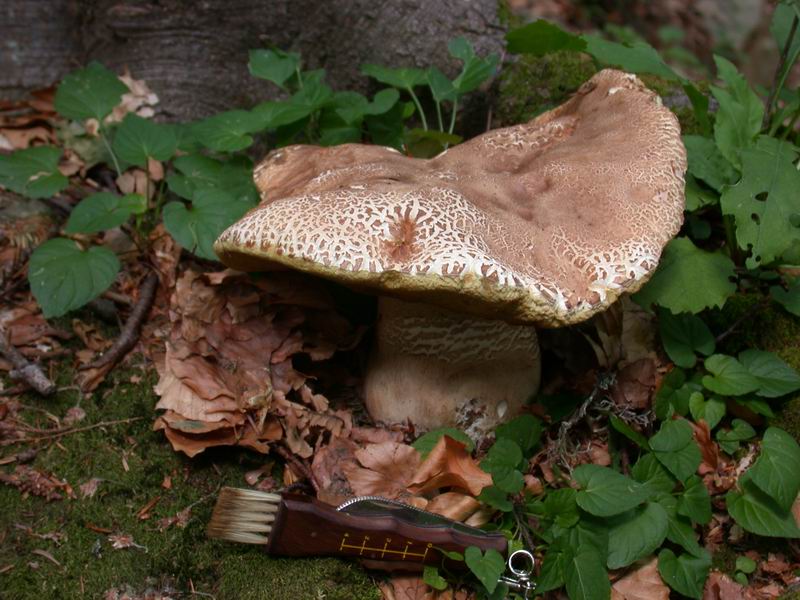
(520, 578)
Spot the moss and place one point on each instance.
(132, 462)
(724, 559)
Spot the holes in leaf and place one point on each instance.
(762, 196)
(794, 219)
(756, 218)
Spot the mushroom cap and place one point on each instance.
(546, 223)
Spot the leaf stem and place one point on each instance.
(781, 72)
(453, 116)
(439, 116)
(419, 108)
(103, 137)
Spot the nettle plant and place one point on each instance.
(208, 183)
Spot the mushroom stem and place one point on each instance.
(439, 368)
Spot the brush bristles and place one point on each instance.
(244, 516)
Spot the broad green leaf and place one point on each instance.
(551, 576)
(441, 87)
(507, 479)
(495, 497)
(764, 202)
(315, 93)
(686, 574)
(695, 502)
(605, 492)
(756, 405)
(503, 461)
(707, 163)
(63, 277)
(104, 210)
(196, 227)
(777, 470)
(745, 564)
(675, 283)
(775, 378)
(475, 70)
(585, 576)
(628, 431)
(525, 431)
(684, 336)
(138, 139)
(487, 567)
(228, 131)
(738, 119)
(636, 534)
(407, 78)
(711, 411)
(681, 532)
(698, 197)
(425, 443)
(675, 448)
(274, 65)
(589, 533)
(739, 431)
(757, 513)
(274, 114)
(789, 298)
(560, 506)
(33, 172)
(197, 172)
(674, 394)
(430, 575)
(542, 37)
(653, 475)
(700, 106)
(638, 57)
(728, 376)
(353, 107)
(89, 93)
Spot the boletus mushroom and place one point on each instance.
(542, 224)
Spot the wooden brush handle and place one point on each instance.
(305, 526)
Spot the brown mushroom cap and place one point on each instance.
(546, 222)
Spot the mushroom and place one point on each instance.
(542, 224)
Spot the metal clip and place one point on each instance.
(520, 579)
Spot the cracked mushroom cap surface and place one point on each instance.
(546, 223)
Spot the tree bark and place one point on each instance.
(194, 54)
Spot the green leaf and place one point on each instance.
(400, 78)
(740, 113)
(695, 502)
(540, 38)
(707, 163)
(475, 71)
(675, 448)
(138, 139)
(740, 431)
(653, 475)
(551, 576)
(585, 576)
(637, 57)
(674, 284)
(228, 131)
(775, 378)
(745, 564)
(63, 277)
(274, 114)
(674, 394)
(589, 533)
(102, 211)
(605, 492)
(274, 65)
(729, 376)
(686, 574)
(561, 507)
(315, 93)
(441, 87)
(33, 172)
(698, 197)
(789, 298)
(757, 513)
(198, 226)
(487, 567)
(524, 430)
(628, 431)
(496, 498)
(681, 532)
(502, 461)
(777, 470)
(636, 534)
(764, 202)
(89, 93)
(683, 336)
(711, 411)
(353, 107)
(197, 172)
(430, 575)
(425, 443)
(756, 405)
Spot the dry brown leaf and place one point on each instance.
(634, 384)
(89, 488)
(386, 470)
(642, 584)
(329, 466)
(455, 506)
(122, 541)
(74, 415)
(405, 587)
(449, 465)
(708, 447)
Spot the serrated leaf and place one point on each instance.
(683, 337)
(404, 78)
(33, 172)
(487, 567)
(675, 448)
(63, 277)
(653, 475)
(102, 211)
(757, 513)
(196, 227)
(777, 470)
(637, 57)
(274, 65)
(775, 378)
(425, 443)
(789, 298)
(496, 498)
(89, 93)
(675, 282)
(728, 376)
(524, 430)
(585, 576)
(605, 492)
(636, 534)
(137, 139)
(228, 131)
(686, 574)
(711, 411)
(707, 163)
(695, 502)
(764, 203)
(542, 37)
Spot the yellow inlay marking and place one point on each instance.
(364, 546)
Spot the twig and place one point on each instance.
(748, 313)
(519, 517)
(777, 82)
(302, 468)
(130, 332)
(23, 370)
(60, 432)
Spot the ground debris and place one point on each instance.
(34, 482)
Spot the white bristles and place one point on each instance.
(244, 516)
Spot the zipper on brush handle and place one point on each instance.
(305, 526)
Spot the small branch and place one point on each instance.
(130, 332)
(777, 82)
(57, 433)
(747, 314)
(25, 371)
(301, 467)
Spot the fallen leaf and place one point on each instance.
(634, 385)
(74, 415)
(642, 584)
(122, 541)
(455, 506)
(386, 470)
(89, 488)
(721, 587)
(328, 467)
(449, 465)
